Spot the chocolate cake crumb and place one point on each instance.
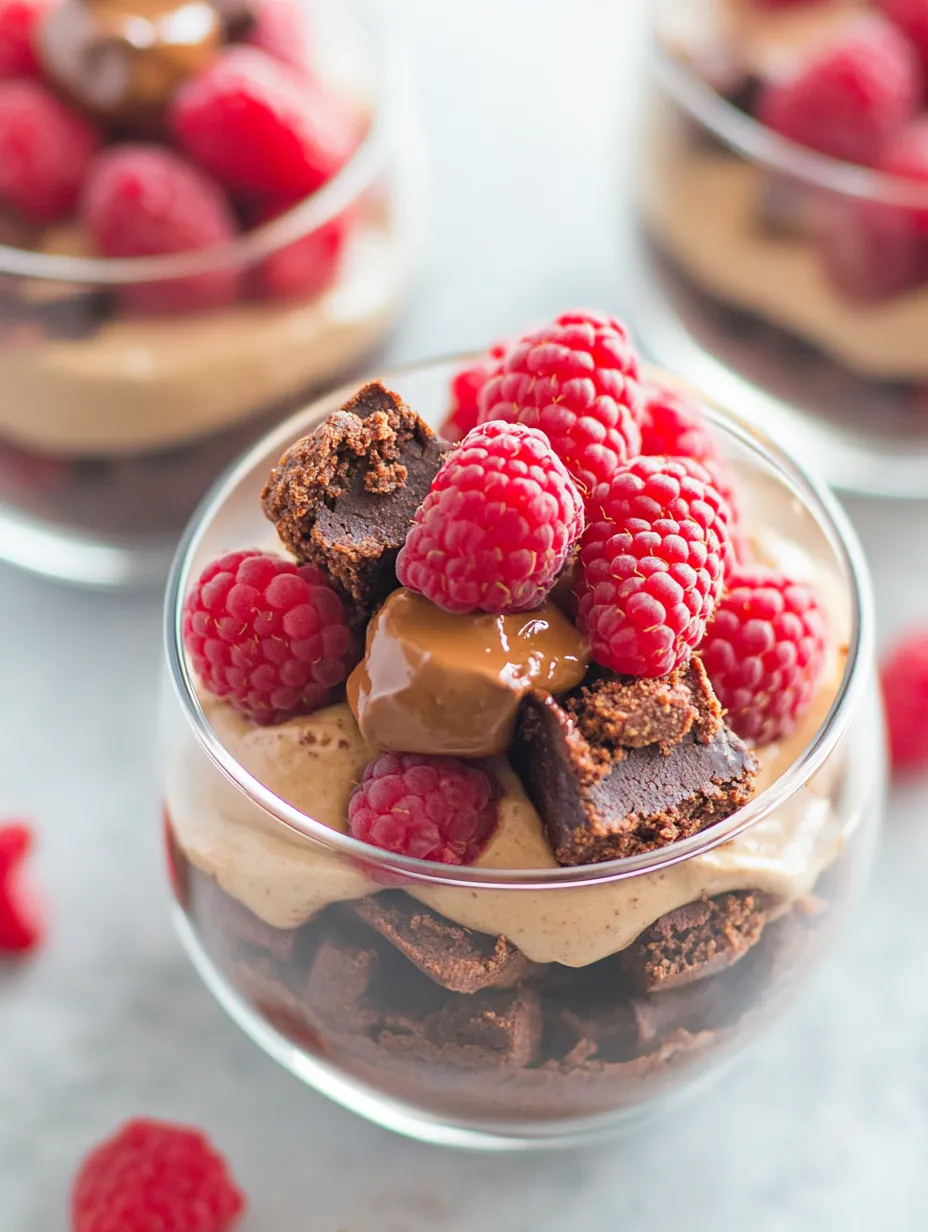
(343, 497)
(698, 940)
(454, 957)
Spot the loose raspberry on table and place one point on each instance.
(911, 16)
(19, 25)
(279, 28)
(151, 1176)
(267, 635)
(497, 524)
(305, 268)
(904, 677)
(261, 129)
(848, 97)
(146, 201)
(578, 381)
(673, 425)
(45, 151)
(466, 385)
(431, 808)
(652, 564)
(764, 652)
(21, 926)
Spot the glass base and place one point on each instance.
(679, 336)
(409, 1121)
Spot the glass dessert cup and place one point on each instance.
(773, 277)
(510, 1004)
(113, 424)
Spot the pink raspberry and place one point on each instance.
(279, 28)
(21, 925)
(497, 524)
(911, 16)
(431, 808)
(147, 201)
(906, 156)
(466, 385)
(848, 97)
(262, 130)
(151, 1176)
(577, 380)
(652, 564)
(764, 652)
(19, 25)
(267, 635)
(305, 268)
(45, 151)
(673, 425)
(871, 251)
(904, 678)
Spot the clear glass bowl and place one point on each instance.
(498, 1007)
(114, 424)
(777, 279)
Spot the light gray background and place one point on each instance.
(824, 1127)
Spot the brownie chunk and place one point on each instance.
(698, 939)
(497, 1028)
(600, 802)
(452, 956)
(343, 497)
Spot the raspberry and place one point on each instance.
(19, 24)
(279, 28)
(305, 268)
(262, 130)
(577, 380)
(496, 526)
(904, 677)
(155, 1177)
(764, 652)
(146, 201)
(466, 385)
(652, 564)
(673, 425)
(267, 635)
(871, 251)
(911, 16)
(20, 922)
(431, 808)
(906, 156)
(45, 151)
(848, 96)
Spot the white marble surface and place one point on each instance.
(824, 1128)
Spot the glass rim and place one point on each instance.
(760, 144)
(815, 498)
(314, 211)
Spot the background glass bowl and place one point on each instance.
(113, 425)
(739, 236)
(348, 1012)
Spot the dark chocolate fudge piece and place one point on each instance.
(339, 989)
(343, 497)
(455, 957)
(602, 803)
(698, 939)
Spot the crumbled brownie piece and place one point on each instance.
(499, 1027)
(698, 939)
(452, 956)
(339, 987)
(597, 807)
(343, 497)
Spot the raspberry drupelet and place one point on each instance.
(764, 652)
(652, 564)
(431, 808)
(496, 527)
(578, 381)
(267, 635)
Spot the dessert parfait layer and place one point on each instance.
(783, 193)
(527, 768)
(227, 233)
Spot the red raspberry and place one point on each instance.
(305, 268)
(906, 156)
(19, 24)
(146, 201)
(652, 564)
(279, 28)
(262, 130)
(497, 524)
(466, 385)
(267, 635)
(155, 1177)
(871, 251)
(764, 652)
(673, 425)
(848, 96)
(911, 16)
(20, 920)
(431, 808)
(905, 694)
(45, 151)
(577, 380)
